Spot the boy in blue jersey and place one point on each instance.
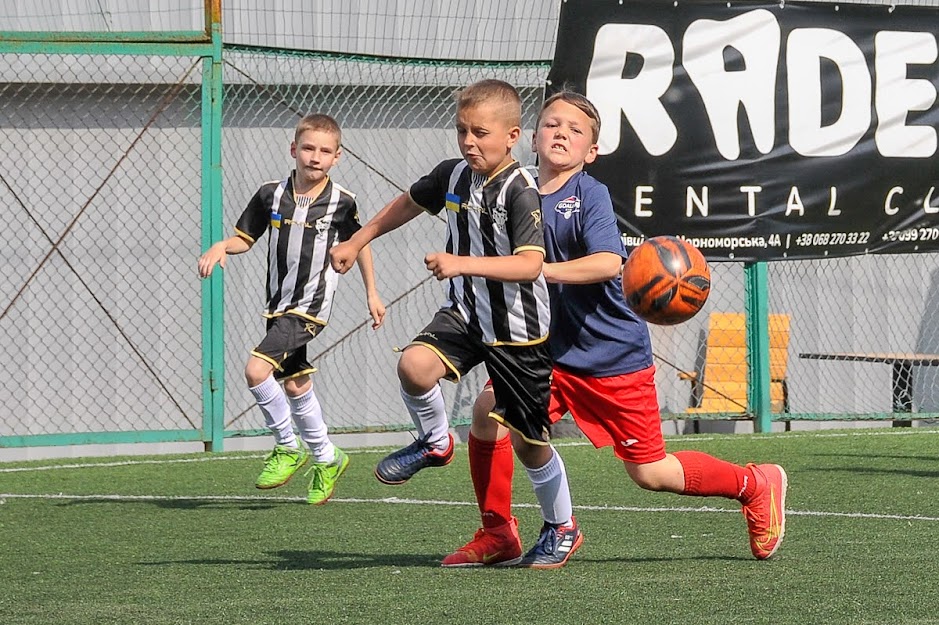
(496, 312)
(603, 371)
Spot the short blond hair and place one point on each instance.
(575, 99)
(492, 91)
(318, 121)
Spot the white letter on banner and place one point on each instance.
(692, 200)
(833, 211)
(794, 203)
(889, 208)
(928, 208)
(756, 36)
(896, 95)
(804, 51)
(751, 192)
(636, 98)
(642, 200)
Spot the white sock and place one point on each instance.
(429, 414)
(273, 403)
(552, 490)
(308, 415)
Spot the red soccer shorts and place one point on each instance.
(622, 411)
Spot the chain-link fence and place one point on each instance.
(862, 341)
(884, 310)
(102, 180)
(100, 184)
(394, 131)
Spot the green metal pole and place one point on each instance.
(213, 293)
(160, 44)
(758, 370)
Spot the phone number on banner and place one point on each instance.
(831, 238)
(913, 234)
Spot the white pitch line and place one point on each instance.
(690, 440)
(125, 463)
(777, 436)
(438, 502)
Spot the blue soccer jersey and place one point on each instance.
(593, 332)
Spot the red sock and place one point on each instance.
(707, 476)
(491, 467)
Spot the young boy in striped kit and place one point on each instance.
(496, 312)
(305, 214)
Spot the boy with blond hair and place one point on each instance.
(305, 215)
(496, 311)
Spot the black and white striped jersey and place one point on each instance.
(498, 216)
(302, 230)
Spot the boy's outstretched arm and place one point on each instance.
(396, 213)
(219, 252)
(596, 267)
(523, 266)
(375, 306)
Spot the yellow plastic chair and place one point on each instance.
(721, 386)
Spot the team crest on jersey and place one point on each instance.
(321, 225)
(499, 216)
(568, 206)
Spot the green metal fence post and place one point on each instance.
(758, 370)
(157, 44)
(213, 293)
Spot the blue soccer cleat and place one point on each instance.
(554, 547)
(398, 467)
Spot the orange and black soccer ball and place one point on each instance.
(666, 280)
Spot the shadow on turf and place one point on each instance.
(320, 561)
(180, 504)
(627, 560)
(874, 471)
(877, 471)
(337, 560)
(867, 456)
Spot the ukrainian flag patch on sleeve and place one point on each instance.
(276, 219)
(453, 202)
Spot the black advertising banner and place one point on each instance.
(762, 131)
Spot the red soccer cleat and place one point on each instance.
(766, 510)
(499, 546)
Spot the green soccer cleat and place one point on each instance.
(325, 475)
(280, 465)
